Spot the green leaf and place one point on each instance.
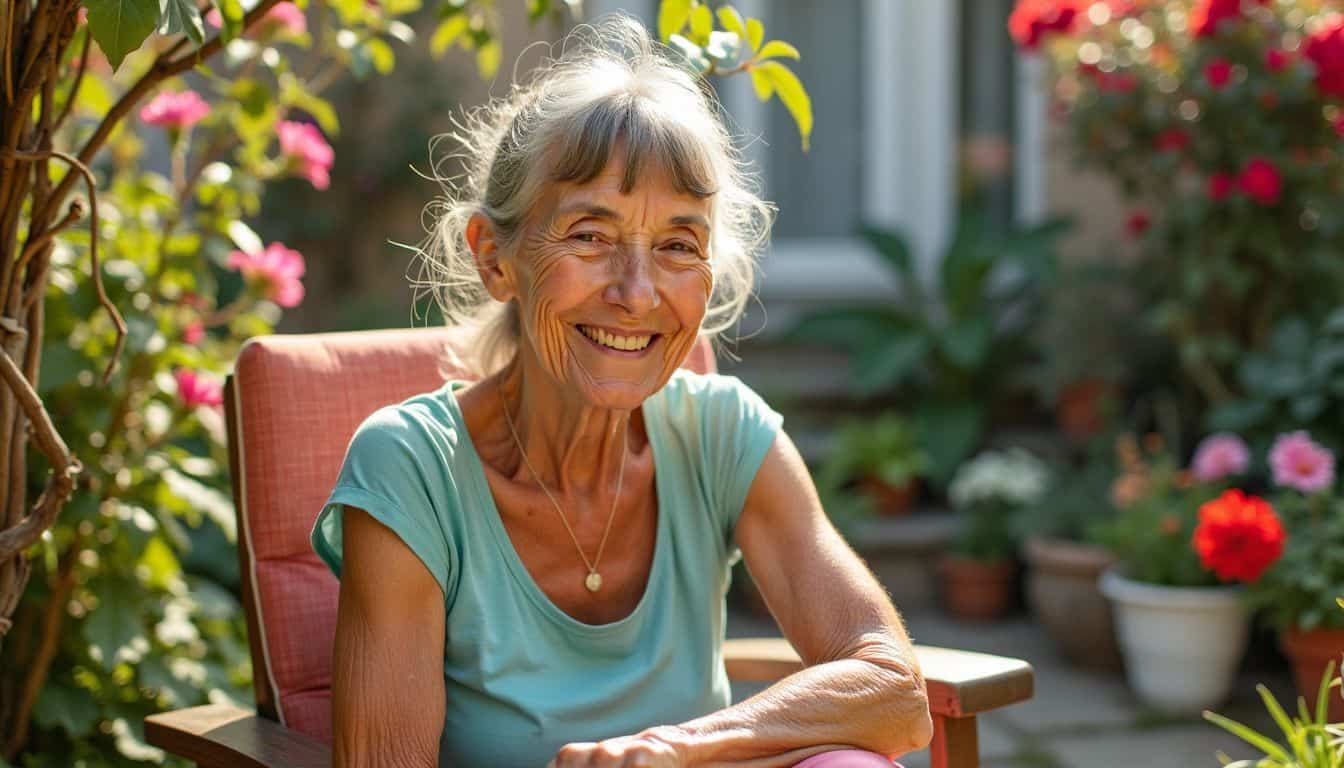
(294, 94)
(760, 82)
(949, 430)
(233, 13)
(732, 21)
(854, 329)
(1237, 415)
(778, 48)
(755, 34)
(487, 59)
(384, 60)
(792, 93)
(181, 17)
(894, 250)
(1248, 735)
(121, 26)
(884, 367)
(448, 31)
(672, 16)
(537, 8)
(966, 342)
(70, 708)
(116, 621)
(702, 23)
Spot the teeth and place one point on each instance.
(626, 343)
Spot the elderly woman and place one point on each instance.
(533, 566)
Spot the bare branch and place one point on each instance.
(93, 253)
(79, 79)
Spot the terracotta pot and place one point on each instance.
(1310, 650)
(1062, 592)
(974, 589)
(890, 500)
(1078, 408)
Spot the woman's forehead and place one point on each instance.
(603, 196)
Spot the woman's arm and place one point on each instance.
(862, 687)
(387, 690)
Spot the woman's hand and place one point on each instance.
(654, 748)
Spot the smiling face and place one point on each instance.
(611, 286)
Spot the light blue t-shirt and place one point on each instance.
(523, 677)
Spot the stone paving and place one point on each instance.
(1078, 718)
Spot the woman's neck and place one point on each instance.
(572, 445)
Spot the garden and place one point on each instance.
(1136, 449)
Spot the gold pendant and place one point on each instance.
(593, 582)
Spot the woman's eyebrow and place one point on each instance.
(691, 220)
(587, 209)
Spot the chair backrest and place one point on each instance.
(292, 404)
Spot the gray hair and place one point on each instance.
(612, 87)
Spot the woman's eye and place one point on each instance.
(586, 237)
(678, 245)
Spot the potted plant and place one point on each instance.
(980, 568)
(1185, 541)
(1064, 562)
(1298, 594)
(1314, 740)
(882, 458)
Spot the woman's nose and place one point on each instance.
(633, 287)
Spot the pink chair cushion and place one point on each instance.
(297, 401)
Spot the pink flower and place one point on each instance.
(1220, 455)
(1137, 223)
(1325, 49)
(194, 333)
(175, 110)
(1172, 140)
(1032, 20)
(277, 268)
(1261, 181)
(304, 145)
(195, 389)
(1276, 60)
(1221, 186)
(284, 16)
(1299, 462)
(1219, 73)
(1208, 14)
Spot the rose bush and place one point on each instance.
(1220, 119)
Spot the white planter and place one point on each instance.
(1182, 645)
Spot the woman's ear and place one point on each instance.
(483, 241)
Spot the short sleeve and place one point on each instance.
(389, 471)
(738, 428)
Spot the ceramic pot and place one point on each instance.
(1182, 645)
(975, 589)
(1062, 593)
(1310, 650)
(890, 500)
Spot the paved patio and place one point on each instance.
(1078, 719)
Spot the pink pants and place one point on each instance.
(847, 758)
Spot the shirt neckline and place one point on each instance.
(514, 561)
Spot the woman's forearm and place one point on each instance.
(873, 700)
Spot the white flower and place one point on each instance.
(1012, 477)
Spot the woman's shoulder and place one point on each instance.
(712, 400)
(422, 421)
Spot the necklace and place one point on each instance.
(594, 580)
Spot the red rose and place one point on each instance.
(1137, 223)
(1276, 60)
(1261, 181)
(1325, 49)
(1208, 14)
(1172, 140)
(1219, 73)
(1238, 536)
(1031, 20)
(1220, 186)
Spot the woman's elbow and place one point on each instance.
(908, 724)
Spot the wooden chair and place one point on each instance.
(291, 405)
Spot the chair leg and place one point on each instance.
(955, 743)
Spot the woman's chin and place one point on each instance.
(623, 391)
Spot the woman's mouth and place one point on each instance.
(632, 344)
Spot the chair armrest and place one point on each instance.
(221, 736)
(960, 683)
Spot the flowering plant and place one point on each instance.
(1186, 526)
(1221, 121)
(988, 491)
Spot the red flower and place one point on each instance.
(1261, 181)
(1339, 126)
(1238, 536)
(1031, 20)
(1114, 82)
(1325, 49)
(1137, 223)
(1221, 186)
(1276, 60)
(1219, 73)
(1208, 14)
(1172, 140)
